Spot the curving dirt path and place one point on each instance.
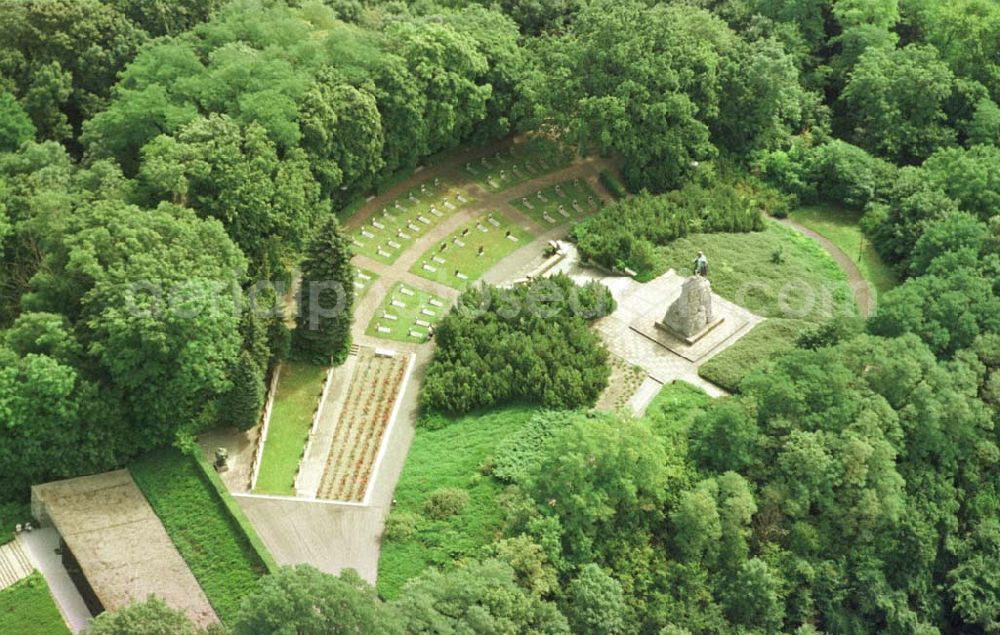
(862, 288)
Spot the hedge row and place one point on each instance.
(216, 541)
(625, 233)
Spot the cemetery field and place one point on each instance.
(390, 231)
(840, 226)
(28, 607)
(776, 272)
(300, 386)
(447, 452)
(362, 424)
(363, 281)
(468, 253)
(406, 314)
(770, 338)
(205, 525)
(559, 204)
(519, 163)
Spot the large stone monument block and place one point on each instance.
(690, 317)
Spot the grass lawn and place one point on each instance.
(205, 525)
(10, 515)
(559, 204)
(407, 305)
(300, 386)
(457, 261)
(363, 281)
(807, 284)
(388, 233)
(769, 338)
(840, 226)
(519, 163)
(28, 607)
(448, 456)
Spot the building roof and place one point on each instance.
(119, 542)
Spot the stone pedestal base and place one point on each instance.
(693, 339)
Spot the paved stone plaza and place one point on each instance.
(630, 333)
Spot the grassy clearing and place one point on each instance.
(559, 204)
(840, 226)
(407, 305)
(388, 233)
(448, 456)
(768, 339)
(300, 386)
(806, 284)
(221, 549)
(518, 164)
(28, 607)
(468, 253)
(10, 515)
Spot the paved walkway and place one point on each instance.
(644, 302)
(41, 545)
(863, 291)
(334, 536)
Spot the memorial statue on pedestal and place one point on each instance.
(690, 315)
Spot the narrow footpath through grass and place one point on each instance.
(840, 226)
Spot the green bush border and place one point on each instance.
(211, 477)
(612, 184)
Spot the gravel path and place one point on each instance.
(862, 289)
(335, 536)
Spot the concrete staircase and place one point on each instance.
(14, 564)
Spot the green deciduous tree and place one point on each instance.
(306, 601)
(895, 102)
(641, 81)
(970, 177)
(267, 203)
(151, 617)
(596, 604)
(479, 597)
(606, 481)
(342, 132)
(63, 57)
(15, 125)
(149, 293)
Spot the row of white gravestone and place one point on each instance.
(413, 225)
(420, 321)
(495, 176)
(361, 279)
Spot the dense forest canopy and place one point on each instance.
(158, 158)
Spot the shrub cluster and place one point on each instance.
(625, 233)
(530, 342)
(612, 184)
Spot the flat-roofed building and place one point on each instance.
(115, 547)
